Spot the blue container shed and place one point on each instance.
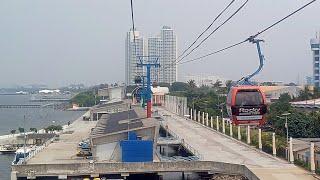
(134, 150)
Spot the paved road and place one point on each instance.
(214, 146)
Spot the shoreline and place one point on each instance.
(9, 137)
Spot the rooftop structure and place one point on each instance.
(112, 93)
(274, 92)
(114, 129)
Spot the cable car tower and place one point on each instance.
(148, 62)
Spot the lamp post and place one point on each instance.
(287, 128)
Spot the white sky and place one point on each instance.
(59, 42)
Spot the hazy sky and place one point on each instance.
(58, 42)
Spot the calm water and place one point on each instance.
(12, 118)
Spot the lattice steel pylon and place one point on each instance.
(148, 62)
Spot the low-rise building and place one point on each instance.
(274, 92)
(158, 95)
(112, 93)
(301, 149)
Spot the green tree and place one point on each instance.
(34, 130)
(164, 84)
(52, 128)
(179, 86)
(305, 94)
(85, 99)
(300, 124)
(228, 84)
(21, 130)
(13, 131)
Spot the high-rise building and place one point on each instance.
(134, 49)
(163, 46)
(168, 68)
(315, 47)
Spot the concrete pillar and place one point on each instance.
(291, 151)
(194, 114)
(217, 119)
(64, 177)
(125, 175)
(211, 122)
(14, 175)
(207, 119)
(231, 130)
(202, 118)
(312, 164)
(239, 133)
(191, 113)
(260, 141)
(248, 135)
(223, 126)
(274, 148)
(198, 116)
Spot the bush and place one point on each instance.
(52, 128)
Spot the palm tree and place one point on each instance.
(217, 84)
(192, 83)
(21, 130)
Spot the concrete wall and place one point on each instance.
(76, 169)
(176, 104)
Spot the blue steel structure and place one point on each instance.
(135, 150)
(152, 61)
(246, 80)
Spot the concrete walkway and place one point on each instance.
(214, 146)
(65, 150)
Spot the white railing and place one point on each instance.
(36, 151)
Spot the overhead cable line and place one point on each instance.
(215, 19)
(133, 28)
(251, 37)
(217, 28)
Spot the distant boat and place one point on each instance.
(8, 149)
(22, 92)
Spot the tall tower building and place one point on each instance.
(164, 46)
(315, 47)
(134, 48)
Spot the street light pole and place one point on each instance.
(24, 139)
(287, 129)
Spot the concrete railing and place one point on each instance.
(214, 124)
(220, 125)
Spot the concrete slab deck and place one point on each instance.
(64, 150)
(214, 146)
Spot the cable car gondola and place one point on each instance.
(246, 105)
(246, 102)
